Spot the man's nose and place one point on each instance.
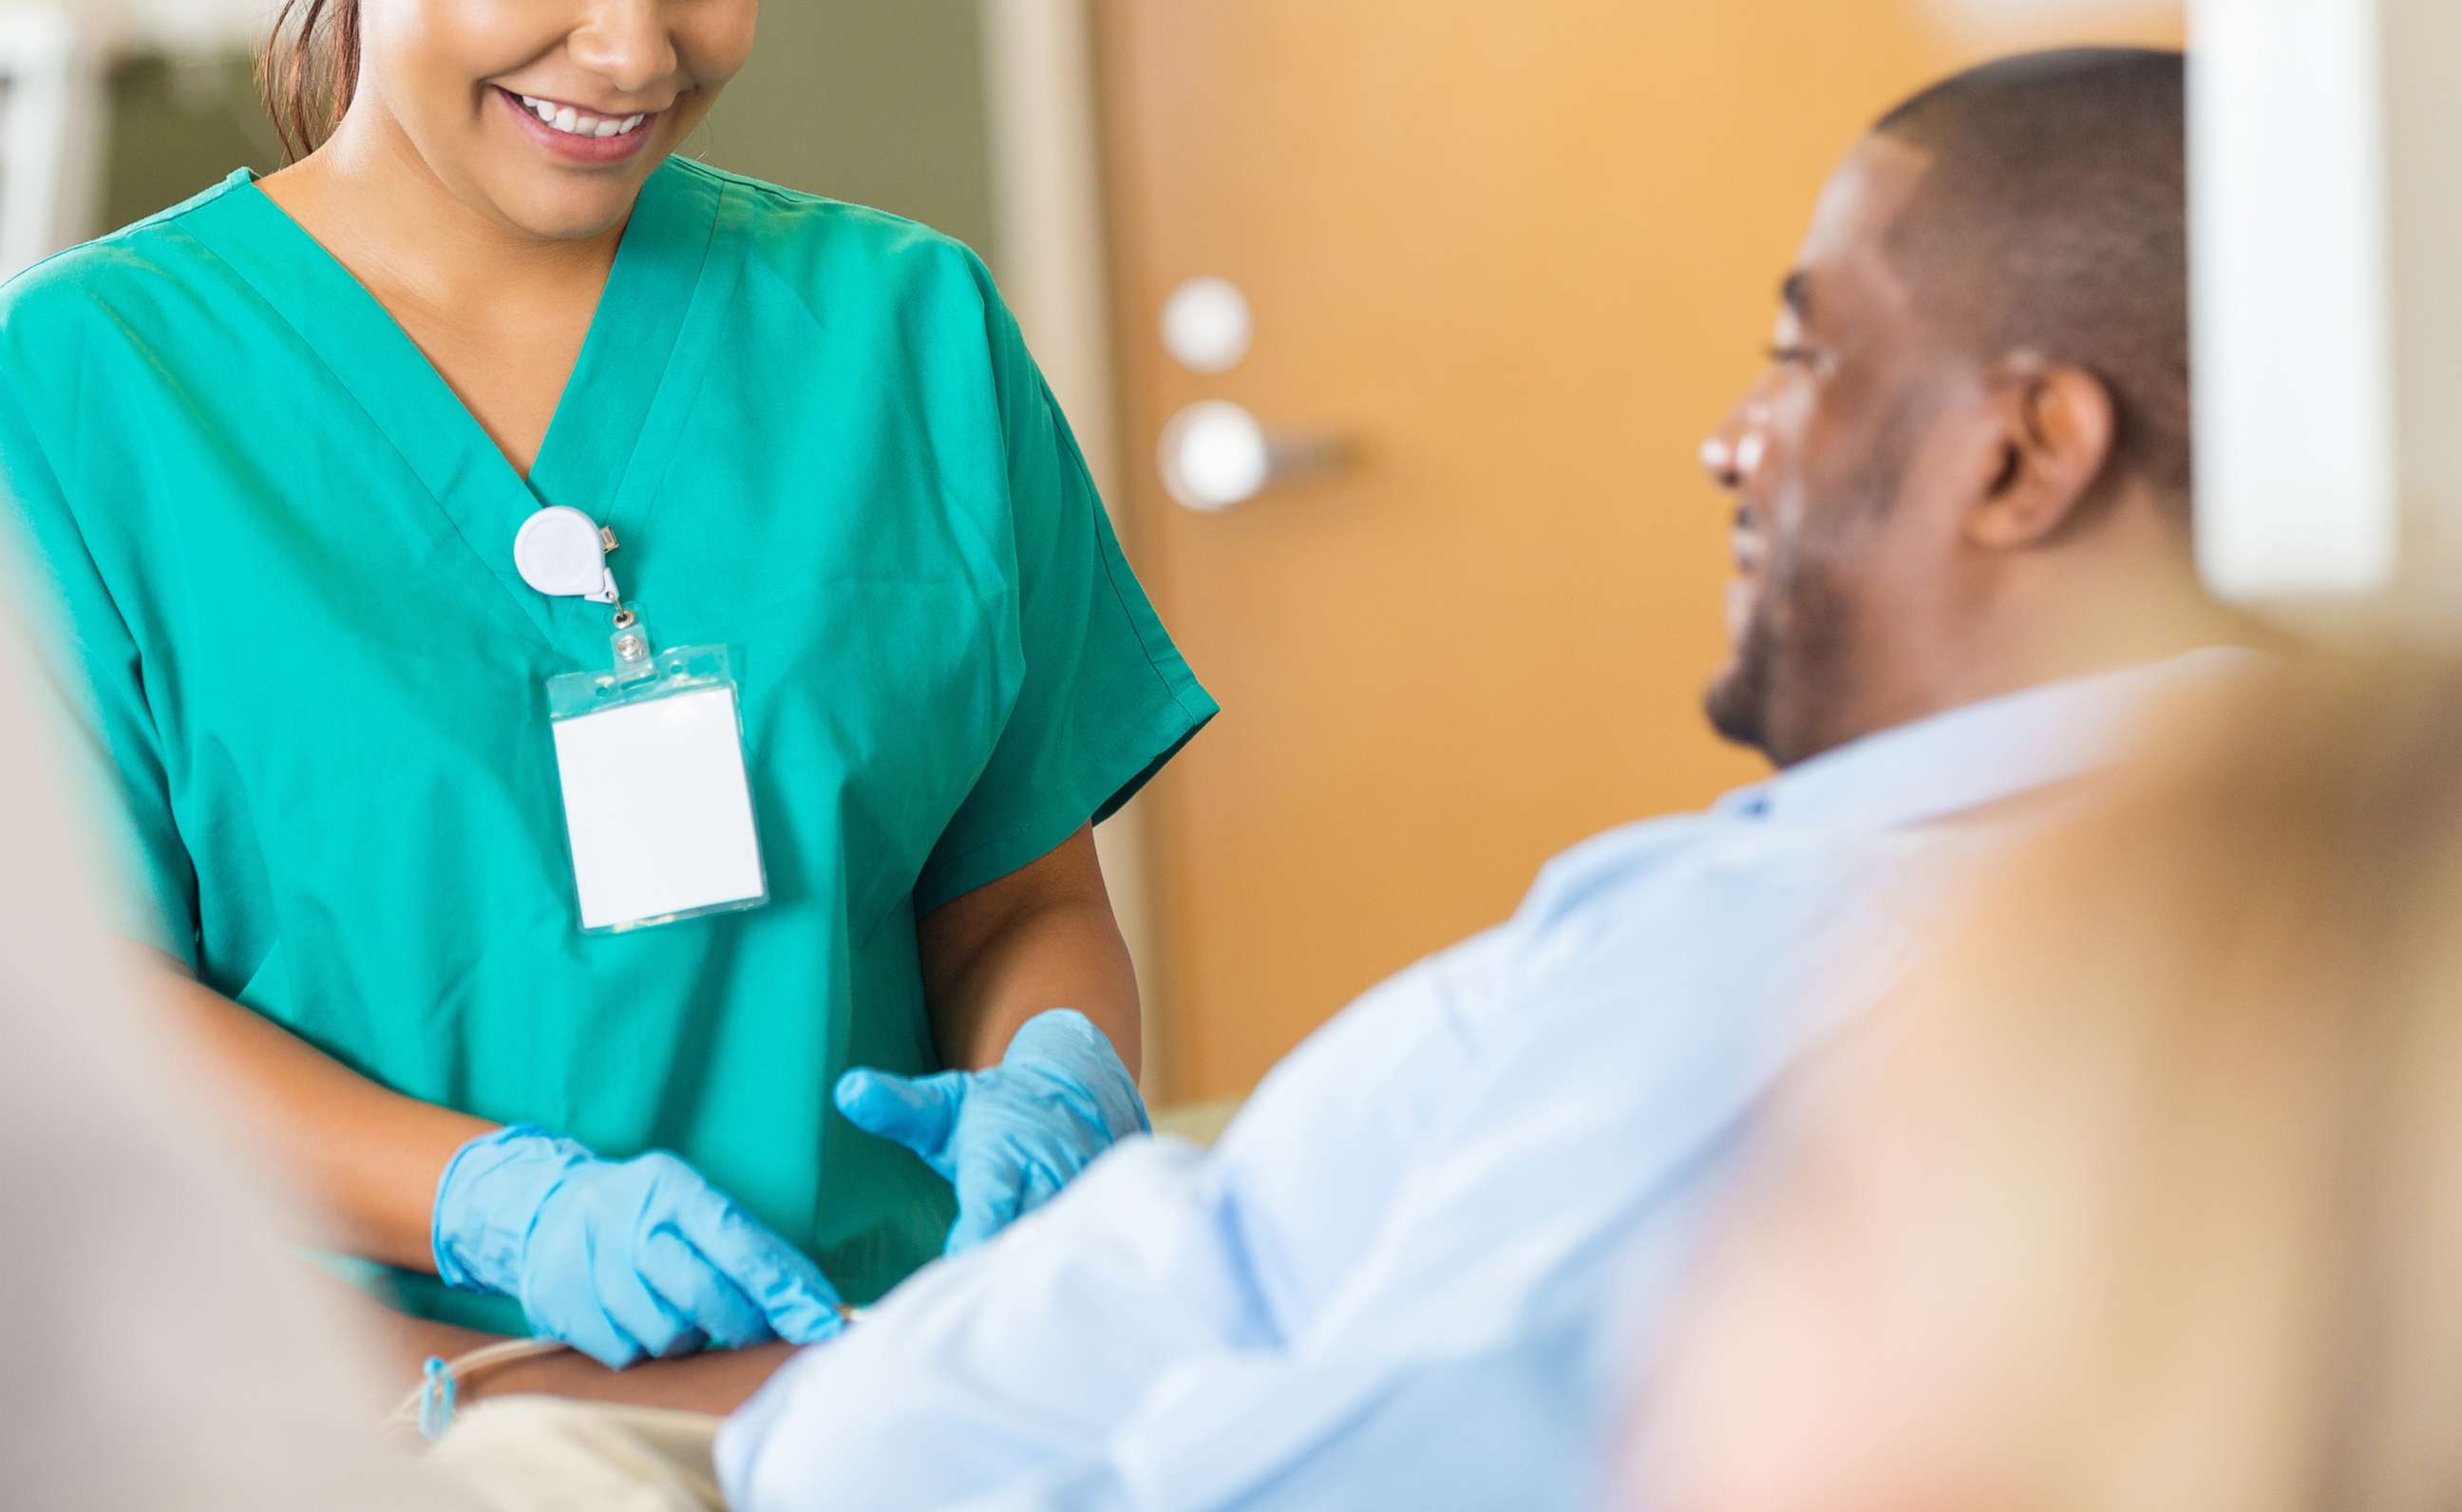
(1733, 451)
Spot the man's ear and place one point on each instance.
(2058, 426)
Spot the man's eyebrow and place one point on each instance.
(1795, 294)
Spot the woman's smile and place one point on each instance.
(577, 135)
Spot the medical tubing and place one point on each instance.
(432, 1403)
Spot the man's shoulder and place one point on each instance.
(1602, 869)
(1713, 908)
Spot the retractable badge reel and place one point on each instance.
(658, 806)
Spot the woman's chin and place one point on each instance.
(559, 206)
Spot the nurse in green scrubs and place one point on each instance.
(269, 452)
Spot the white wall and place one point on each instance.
(2325, 211)
(51, 112)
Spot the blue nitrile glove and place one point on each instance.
(621, 1259)
(1010, 1138)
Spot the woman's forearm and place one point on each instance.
(1061, 955)
(1042, 937)
(715, 1381)
(366, 1159)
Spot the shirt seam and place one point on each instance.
(653, 488)
(168, 217)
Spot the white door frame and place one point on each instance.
(53, 117)
(1047, 162)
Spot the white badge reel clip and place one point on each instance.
(657, 802)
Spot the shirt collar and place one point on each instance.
(1978, 755)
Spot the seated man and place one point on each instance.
(1963, 567)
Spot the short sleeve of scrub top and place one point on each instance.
(100, 687)
(279, 553)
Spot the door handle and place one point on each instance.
(1217, 456)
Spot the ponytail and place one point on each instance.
(308, 70)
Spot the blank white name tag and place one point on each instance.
(657, 802)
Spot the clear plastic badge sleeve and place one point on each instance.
(658, 806)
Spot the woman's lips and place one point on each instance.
(573, 146)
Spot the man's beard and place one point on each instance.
(1789, 691)
(1789, 666)
(1737, 702)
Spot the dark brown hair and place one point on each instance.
(2054, 215)
(308, 70)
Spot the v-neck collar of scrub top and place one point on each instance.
(614, 432)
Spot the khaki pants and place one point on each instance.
(543, 1454)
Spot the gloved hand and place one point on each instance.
(621, 1259)
(1010, 1138)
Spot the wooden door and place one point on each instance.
(1518, 259)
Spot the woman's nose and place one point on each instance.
(626, 42)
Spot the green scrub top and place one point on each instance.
(281, 550)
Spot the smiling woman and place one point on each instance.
(284, 546)
(521, 114)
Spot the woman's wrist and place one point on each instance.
(398, 1173)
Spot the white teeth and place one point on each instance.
(573, 123)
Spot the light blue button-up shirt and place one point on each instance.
(1410, 1274)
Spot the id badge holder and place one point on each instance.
(657, 805)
